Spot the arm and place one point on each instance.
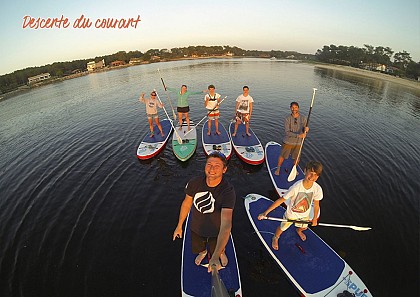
(222, 238)
(316, 213)
(206, 101)
(183, 213)
(273, 206)
(250, 109)
(141, 99)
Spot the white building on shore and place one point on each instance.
(38, 78)
(92, 66)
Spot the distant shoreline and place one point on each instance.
(347, 69)
(372, 74)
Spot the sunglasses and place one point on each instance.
(152, 94)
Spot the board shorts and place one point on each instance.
(285, 225)
(244, 117)
(152, 116)
(214, 114)
(184, 109)
(200, 243)
(287, 149)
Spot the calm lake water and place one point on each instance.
(80, 215)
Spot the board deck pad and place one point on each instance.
(216, 142)
(272, 153)
(248, 148)
(186, 149)
(151, 146)
(313, 267)
(196, 281)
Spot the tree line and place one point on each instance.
(343, 55)
(370, 57)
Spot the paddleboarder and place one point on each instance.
(151, 110)
(183, 107)
(211, 101)
(214, 199)
(294, 131)
(301, 194)
(243, 110)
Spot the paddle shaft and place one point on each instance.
(320, 224)
(218, 289)
(164, 109)
(307, 123)
(217, 105)
(169, 99)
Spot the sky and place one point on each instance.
(287, 25)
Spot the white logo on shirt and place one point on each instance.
(204, 202)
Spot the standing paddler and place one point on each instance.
(213, 198)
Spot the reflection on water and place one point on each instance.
(80, 215)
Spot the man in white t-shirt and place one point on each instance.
(243, 110)
(302, 195)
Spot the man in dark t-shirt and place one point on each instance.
(211, 217)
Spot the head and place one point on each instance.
(183, 87)
(211, 88)
(153, 94)
(294, 107)
(313, 170)
(216, 164)
(245, 90)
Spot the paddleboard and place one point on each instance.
(313, 267)
(196, 281)
(248, 148)
(151, 146)
(183, 151)
(272, 153)
(216, 142)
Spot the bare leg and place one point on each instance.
(275, 239)
(216, 124)
(209, 126)
(151, 126)
(159, 126)
(187, 117)
(247, 129)
(300, 233)
(280, 161)
(180, 120)
(200, 257)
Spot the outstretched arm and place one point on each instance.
(222, 238)
(183, 213)
(273, 206)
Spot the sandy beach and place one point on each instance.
(377, 75)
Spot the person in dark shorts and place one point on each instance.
(183, 107)
(213, 198)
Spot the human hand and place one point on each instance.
(214, 264)
(261, 216)
(177, 233)
(314, 222)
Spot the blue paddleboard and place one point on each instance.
(248, 148)
(151, 146)
(196, 281)
(313, 267)
(216, 142)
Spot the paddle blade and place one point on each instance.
(292, 174)
(218, 288)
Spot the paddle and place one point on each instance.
(320, 224)
(293, 172)
(217, 105)
(218, 288)
(178, 138)
(167, 94)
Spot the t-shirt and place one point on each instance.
(208, 203)
(212, 101)
(292, 128)
(244, 103)
(151, 105)
(301, 199)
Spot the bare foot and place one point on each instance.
(163, 134)
(301, 235)
(277, 172)
(275, 242)
(223, 259)
(208, 133)
(152, 134)
(218, 132)
(200, 257)
(234, 134)
(180, 128)
(248, 134)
